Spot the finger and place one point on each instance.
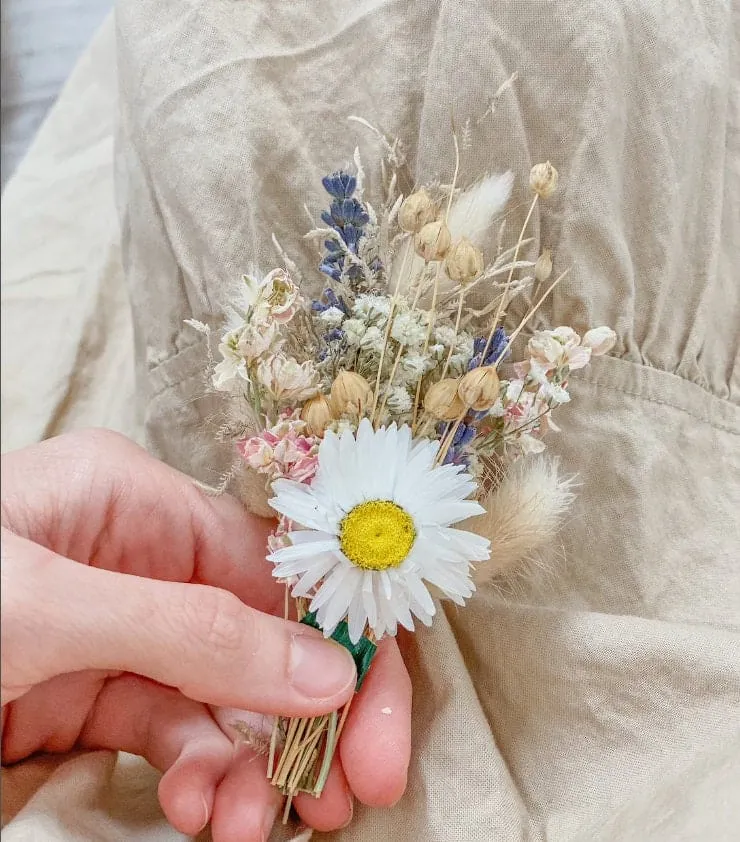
(96, 497)
(199, 639)
(376, 744)
(246, 804)
(176, 735)
(335, 807)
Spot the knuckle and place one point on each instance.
(221, 621)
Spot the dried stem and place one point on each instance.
(391, 314)
(500, 308)
(454, 177)
(397, 360)
(529, 315)
(430, 326)
(457, 330)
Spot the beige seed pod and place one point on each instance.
(350, 394)
(464, 261)
(442, 401)
(543, 179)
(479, 388)
(416, 211)
(433, 241)
(543, 266)
(318, 414)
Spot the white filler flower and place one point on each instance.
(377, 521)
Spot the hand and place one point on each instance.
(131, 602)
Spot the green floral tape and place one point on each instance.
(362, 652)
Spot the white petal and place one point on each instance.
(385, 582)
(297, 502)
(467, 544)
(336, 609)
(309, 536)
(293, 568)
(443, 514)
(368, 599)
(421, 594)
(303, 550)
(356, 616)
(329, 587)
(322, 565)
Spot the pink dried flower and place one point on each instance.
(283, 451)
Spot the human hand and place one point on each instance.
(131, 602)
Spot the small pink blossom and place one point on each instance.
(257, 452)
(283, 451)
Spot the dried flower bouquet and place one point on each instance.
(388, 418)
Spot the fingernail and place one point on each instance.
(351, 811)
(206, 813)
(319, 668)
(269, 822)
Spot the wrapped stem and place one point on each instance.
(311, 742)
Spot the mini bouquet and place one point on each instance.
(388, 419)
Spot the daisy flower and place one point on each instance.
(376, 528)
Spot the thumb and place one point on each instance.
(60, 616)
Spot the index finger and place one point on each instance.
(98, 498)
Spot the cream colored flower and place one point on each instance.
(354, 330)
(280, 295)
(398, 400)
(231, 372)
(372, 340)
(256, 339)
(600, 340)
(409, 328)
(556, 348)
(286, 379)
(331, 317)
(372, 308)
(413, 367)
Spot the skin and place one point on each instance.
(139, 614)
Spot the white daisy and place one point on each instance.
(377, 520)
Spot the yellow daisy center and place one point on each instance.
(377, 535)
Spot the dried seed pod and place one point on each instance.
(479, 388)
(318, 414)
(600, 340)
(350, 394)
(416, 211)
(543, 266)
(433, 241)
(464, 261)
(543, 179)
(442, 400)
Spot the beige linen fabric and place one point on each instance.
(603, 704)
(66, 325)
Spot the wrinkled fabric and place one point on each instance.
(601, 701)
(67, 335)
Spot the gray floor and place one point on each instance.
(41, 41)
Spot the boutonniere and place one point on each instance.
(389, 418)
